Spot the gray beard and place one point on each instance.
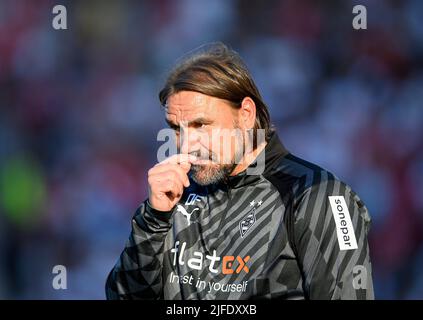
(211, 174)
(206, 175)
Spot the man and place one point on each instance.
(238, 222)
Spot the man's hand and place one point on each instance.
(167, 180)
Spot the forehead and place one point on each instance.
(187, 105)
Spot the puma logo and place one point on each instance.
(187, 215)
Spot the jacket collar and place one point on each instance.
(272, 153)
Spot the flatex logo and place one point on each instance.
(197, 260)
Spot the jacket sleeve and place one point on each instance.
(329, 216)
(138, 271)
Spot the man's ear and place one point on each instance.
(247, 113)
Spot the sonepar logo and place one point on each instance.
(196, 261)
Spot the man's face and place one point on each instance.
(207, 127)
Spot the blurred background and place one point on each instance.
(79, 117)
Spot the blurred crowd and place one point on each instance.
(79, 116)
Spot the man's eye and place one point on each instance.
(198, 125)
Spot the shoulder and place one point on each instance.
(300, 181)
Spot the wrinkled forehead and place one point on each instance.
(185, 106)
